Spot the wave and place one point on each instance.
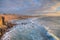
(26, 30)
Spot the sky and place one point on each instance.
(29, 7)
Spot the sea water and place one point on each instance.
(27, 30)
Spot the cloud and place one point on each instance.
(27, 6)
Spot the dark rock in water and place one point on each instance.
(26, 30)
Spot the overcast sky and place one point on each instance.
(29, 6)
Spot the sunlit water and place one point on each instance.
(27, 30)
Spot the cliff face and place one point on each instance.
(1, 20)
(3, 24)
